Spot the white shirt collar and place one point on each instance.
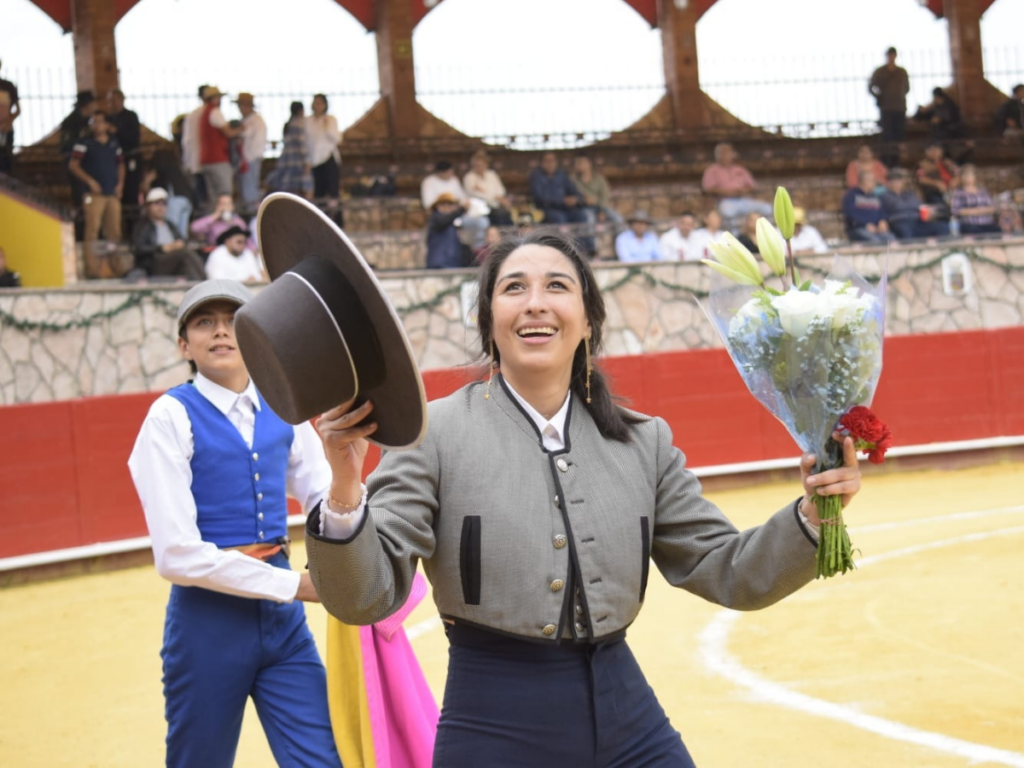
(222, 398)
(545, 426)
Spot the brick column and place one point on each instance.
(395, 66)
(92, 27)
(679, 50)
(964, 18)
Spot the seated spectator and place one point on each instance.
(711, 232)
(98, 164)
(865, 161)
(909, 218)
(1010, 116)
(209, 228)
(806, 239)
(444, 246)
(677, 244)
(732, 184)
(942, 116)
(936, 176)
(380, 185)
(491, 238)
(593, 188)
(637, 243)
(232, 259)
(865, 217)
(158, 245)
(8, 279)
(554, 194)
(483, 183)
(748, 232)
(164, 169)
(443, 180)
(972, 205)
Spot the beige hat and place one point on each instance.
(799, 216)
(245, 98)
(212, 92)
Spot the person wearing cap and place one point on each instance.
(806, 239)
(638, 243)
(445, 249)
(159, 246)
(212, 464)
(254, 144)
(215, 135)
(890, 84)
(444, 181)
(233, 260)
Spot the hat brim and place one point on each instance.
(289, 229)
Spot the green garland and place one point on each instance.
(136, 298)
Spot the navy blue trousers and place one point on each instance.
(512, 703)
(218, 651)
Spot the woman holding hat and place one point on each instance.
(535, 503)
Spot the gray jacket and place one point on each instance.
(546, 545)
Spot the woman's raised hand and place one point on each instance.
(344, 434)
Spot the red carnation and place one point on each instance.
(870, 432)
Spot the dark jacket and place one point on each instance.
(144, 244)
(444, 248)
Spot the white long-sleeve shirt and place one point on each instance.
(322, 139)
(254, 136)
(160, 465)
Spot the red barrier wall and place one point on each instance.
(64, 480)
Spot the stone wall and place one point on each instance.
(56, 345)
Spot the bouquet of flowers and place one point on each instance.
(811, 354)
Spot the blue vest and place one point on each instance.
(239, 493)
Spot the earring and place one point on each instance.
(590, 367)
(490, 372)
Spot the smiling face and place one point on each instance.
(208, 340)
(538, 316)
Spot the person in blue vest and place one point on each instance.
(212, 465)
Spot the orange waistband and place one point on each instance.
(259, 551)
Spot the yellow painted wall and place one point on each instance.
(33, 242)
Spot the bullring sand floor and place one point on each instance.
(916, 659)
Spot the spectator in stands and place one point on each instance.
(163, 169)
(483, 183)
(711, 232)
(72, 129)
(865, 161)
(375, 185)
(748, 232)
(254, 144)
(124, 126)
(215, 135)
(1010, 116)
(637, 243)
(232, 259)
(443, 180)
(209, 228)
(972, 205)
(491, 238)
(98, 163)
(909, 218)
(593, 188)
(190, 146)
(936, 176)
(890, 85)
(159, 246)
(10, 108)
(732, 184)
(942, 116)
(323, 138)
(554, 194)
(444, 246)
(292, 171)
(865, 217)
(806, 239)
(8, 279)
(677, 243)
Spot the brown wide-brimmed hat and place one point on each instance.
(323, 332)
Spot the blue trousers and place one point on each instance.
(218, 651)
(513, 703)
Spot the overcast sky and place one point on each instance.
(599, 59)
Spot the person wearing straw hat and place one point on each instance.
(212, 464)
(254, 144)
(215, 135)
(533, 500)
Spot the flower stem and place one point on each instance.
(792, 267)
(835, 553)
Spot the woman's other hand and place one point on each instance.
(843, 481)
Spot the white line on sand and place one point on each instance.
(714, 641)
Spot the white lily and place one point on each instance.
(771, 246)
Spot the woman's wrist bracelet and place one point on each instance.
(342, 504)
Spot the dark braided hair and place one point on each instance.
(612, 421)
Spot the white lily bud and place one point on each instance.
(736, 277)
(771, 246)
(784, 213)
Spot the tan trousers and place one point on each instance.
(100, 210)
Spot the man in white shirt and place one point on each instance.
(232, 259)
(254, 143)
(676, 244)
(211, 465)
(190, 145)
(711, 232)
(806, 239)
